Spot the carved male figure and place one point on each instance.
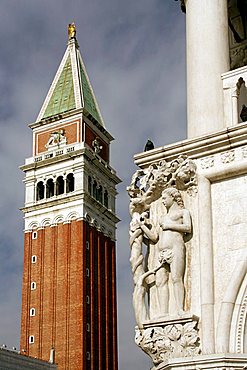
(96, 145)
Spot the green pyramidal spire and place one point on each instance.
(71, 88)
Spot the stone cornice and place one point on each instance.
(86, 152)
(49, 203)
(198, 147)
(55, 118)
(211, 361)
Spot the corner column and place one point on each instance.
(207, 58)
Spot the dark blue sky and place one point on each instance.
(134, 53)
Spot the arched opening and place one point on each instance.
(106, 199)
(100, 194)
(60, 185)
(49, 188)
(70, 183)
(40, 191)
(242, 102)
(95, 189)
(89, 185)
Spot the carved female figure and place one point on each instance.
(169, 243)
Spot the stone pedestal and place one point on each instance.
(171, 337)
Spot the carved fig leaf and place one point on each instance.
(189, 327)
(174, 333)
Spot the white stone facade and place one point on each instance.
(216, 255)
(208, 254)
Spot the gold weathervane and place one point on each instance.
(71, 31)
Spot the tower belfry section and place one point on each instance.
(188, 208)
(69, 279)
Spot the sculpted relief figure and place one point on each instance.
(56, 138)
(237, 20)
(169, 253)
(158, 248)
(71, 30)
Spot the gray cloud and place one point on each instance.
(134, 52)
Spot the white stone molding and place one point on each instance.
(33, 225)
(223, 361)
(38, 219)
(196, 148)
(72, 216)
(76, 75)
(239, 311)
(46, 222)
(58, 219)
(219, 173)
(241, 325)
(206, 265)
(227, 305)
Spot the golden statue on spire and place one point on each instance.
(71, 31)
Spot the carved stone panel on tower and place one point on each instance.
(237, 19)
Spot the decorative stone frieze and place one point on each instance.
(244, 151)
(228, 157)
(207, 162)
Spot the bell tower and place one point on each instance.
(69, 276)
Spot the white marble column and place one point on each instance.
(207, 58)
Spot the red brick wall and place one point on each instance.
(62, 311)
(90, 135)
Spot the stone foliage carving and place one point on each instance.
(207, 162)
(228, 157)
(165, 239)
(169, 341)
(244, 151)
(238, 56)
(223, 158)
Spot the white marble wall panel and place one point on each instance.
(229, 211)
